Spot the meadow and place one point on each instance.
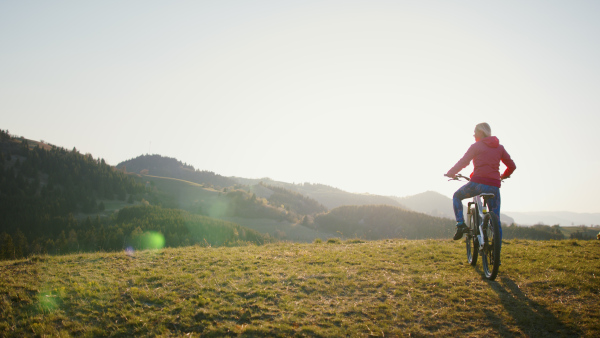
(323, 289)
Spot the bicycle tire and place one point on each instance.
(491, 249)
(471, 239)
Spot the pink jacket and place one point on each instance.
(486, 155)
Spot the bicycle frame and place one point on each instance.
(483, 234)
(481, 209)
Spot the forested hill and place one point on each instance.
(53, 200)
(158, 165)
(47, 182)
(43, 186)
(383, 221)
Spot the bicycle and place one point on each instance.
(483, 235)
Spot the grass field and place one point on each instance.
(187, 195)
(280, 229)
(334, 288)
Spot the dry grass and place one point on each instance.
(333, 288)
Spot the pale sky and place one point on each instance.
(366, 96)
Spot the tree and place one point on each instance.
(121, 194)
(20, 245)
(7, 249)
(73, 242)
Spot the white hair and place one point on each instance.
(484, 128)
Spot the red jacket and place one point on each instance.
(486, 155)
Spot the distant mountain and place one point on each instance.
(158, 165)
(429, 202)
(330, 197)
(555, 217)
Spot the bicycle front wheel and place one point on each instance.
(491, 247)
(471, 238)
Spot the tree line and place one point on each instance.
(383, 221)
(536, 232)
(127, 230)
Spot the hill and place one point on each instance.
(38, 180)
(158, 165)
(379, 288)
(57, 201)
(45, 190)
(264, 214)
(330, 197)
(383, 221)
(429, 202)
(292, 201)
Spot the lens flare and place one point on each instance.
(48, 301)
(152, 240)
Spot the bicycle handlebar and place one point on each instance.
(458, 177)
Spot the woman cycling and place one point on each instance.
(486, 153)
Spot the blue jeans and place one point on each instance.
(473, 189)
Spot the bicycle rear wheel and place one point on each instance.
(471, 240)
(491, 247)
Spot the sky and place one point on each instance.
(375, 97)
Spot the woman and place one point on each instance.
(486, 153)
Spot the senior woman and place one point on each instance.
(486, 154)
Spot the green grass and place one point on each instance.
(329, 288)
(283, 229)
(187, 195)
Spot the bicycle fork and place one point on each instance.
(481, 236)
(482, 210)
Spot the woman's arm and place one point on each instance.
(509, 163)
(463, 162)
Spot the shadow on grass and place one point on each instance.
(532, 318)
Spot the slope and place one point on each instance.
(158, 165)
(235, 205)
(379, 288)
